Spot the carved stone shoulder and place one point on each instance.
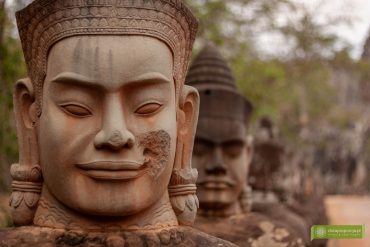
(280, 213)
(47, 237)
(249, 230)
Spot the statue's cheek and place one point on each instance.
(156, 150)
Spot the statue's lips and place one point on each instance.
(216, 184)
(113, 170)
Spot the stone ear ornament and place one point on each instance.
(182, 191)
(26, 191)
(182, 187)
(245, 199)
(27, 175)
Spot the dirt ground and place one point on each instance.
(349, 210)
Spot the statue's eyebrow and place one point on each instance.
(151, 77)
(74, 78)
(205, 140)
(235, 141)
(209, 141)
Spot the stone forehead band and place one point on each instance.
(45, 22)
(224, 104)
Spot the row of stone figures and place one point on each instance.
(107, 127)
(267, 212)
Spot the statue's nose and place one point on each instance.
(114, 140)
(114, 134)
(216, 166)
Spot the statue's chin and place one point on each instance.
(110, 199)
(113, 205)
(213, 202)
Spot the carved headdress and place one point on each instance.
(220, 98)
(45, 22)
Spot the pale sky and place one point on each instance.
(358, 11)
(354, 34)
(358, 32)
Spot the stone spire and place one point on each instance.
(220, 98)
(209, 67)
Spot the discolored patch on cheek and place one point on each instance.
(156, 146)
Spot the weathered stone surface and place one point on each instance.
(47, 237)
(280, 213)
(250, 230)
(312, 210)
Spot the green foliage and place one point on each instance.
(212, 15)
(254, 77)
(13, 63)
(293, 90)
(12, 68)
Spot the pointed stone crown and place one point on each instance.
(209, 67)
(45, 22)
(219, 96)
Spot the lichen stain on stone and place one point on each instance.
(271, 237)
(156, 146)
(266, 226)
(281, 233)
(266, 240)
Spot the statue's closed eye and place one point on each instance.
(233, 149)
(148, 108)
(76, 110)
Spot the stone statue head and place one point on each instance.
(268, 169)
(222, 152)
(104, 121)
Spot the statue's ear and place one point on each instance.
(245, 197)
(187, 124)
(25, 114)
(27, 178)
(250, 152)
(182, 188)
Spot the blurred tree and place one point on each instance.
(293, 89)
(2, 17)
(11, 68)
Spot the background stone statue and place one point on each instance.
(105, 126)
(277, 190)
(222, 153)
(271, 180)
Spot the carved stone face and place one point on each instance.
(107, 132)
(221, 156)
